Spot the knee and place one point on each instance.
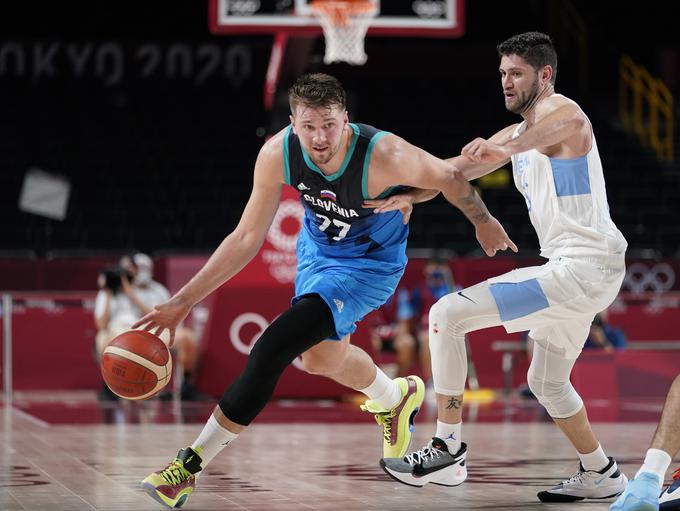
(323, 363)
(444, 323)
(559, 398)
(437, 324)
(535, 384)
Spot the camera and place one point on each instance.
(112, 276)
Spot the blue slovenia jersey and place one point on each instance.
(335, 220)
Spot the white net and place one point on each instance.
(345, 24)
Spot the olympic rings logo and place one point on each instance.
(261, 323)
(641, 278)
(276, 236)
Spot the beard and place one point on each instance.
(333, 152)
(525, 100)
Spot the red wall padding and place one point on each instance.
(53, 338)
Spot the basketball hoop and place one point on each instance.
(345, 23)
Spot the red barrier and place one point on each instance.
(623, 377)
(52, 342)
(52, 345)
(255, 308)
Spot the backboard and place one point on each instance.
(411, 18)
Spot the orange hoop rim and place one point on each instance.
(339, 10)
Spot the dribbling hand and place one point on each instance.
(164, 316)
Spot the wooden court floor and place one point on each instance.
(287, 466)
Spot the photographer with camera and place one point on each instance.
(128, 292)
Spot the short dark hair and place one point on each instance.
(535, 47)
(317, 90)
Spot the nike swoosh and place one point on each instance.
(670, 491)
(598, 481)
(460, 293)
(419, 471)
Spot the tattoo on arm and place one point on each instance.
(454, 402)
(473, 208)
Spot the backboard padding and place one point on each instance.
(409, 18)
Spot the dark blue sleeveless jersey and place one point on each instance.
(335, 220)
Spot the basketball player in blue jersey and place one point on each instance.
(557, 167)
(349, 263)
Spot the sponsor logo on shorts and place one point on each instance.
(339, 304)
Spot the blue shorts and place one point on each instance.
(351, 287)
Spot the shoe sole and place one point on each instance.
(449, 485)
(392, 476)
(557, 497)
(150, 489)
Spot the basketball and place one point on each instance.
(136, 365)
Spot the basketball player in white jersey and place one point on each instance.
(556, 166)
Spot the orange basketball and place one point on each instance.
(136, 365)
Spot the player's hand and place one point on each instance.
(166, 315)
(492, 237)
(481, 150)
(402, 202)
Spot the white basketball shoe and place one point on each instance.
(588, 484)
(431, 464)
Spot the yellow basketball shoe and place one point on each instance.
(173, 485)
(397, 423)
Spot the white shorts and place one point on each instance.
(558, 300)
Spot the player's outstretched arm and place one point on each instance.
(473, 169)
(396, 162)
(561, 130)
(236, 250)
(404, 201)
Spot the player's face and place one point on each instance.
(320, 130)
(521, 84)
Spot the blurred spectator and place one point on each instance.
(438, 283)
(605, 336)
(128, 292)
(403, 322)
(393, 332)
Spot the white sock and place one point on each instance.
(212, 440)
(383, 390)
(451, 434)
(595, 460)
(656, 462)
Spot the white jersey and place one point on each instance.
(567, 203)
(122, 312)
